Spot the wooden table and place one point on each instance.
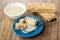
(51, 31)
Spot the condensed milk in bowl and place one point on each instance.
(15, 10)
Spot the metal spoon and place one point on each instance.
(37, 26)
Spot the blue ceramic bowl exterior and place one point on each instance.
(30, 34)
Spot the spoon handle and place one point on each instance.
(47, 22)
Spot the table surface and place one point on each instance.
(50, 32)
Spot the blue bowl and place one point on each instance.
(30, 34)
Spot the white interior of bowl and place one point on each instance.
(13, 5)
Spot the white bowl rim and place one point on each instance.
(18, 3)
